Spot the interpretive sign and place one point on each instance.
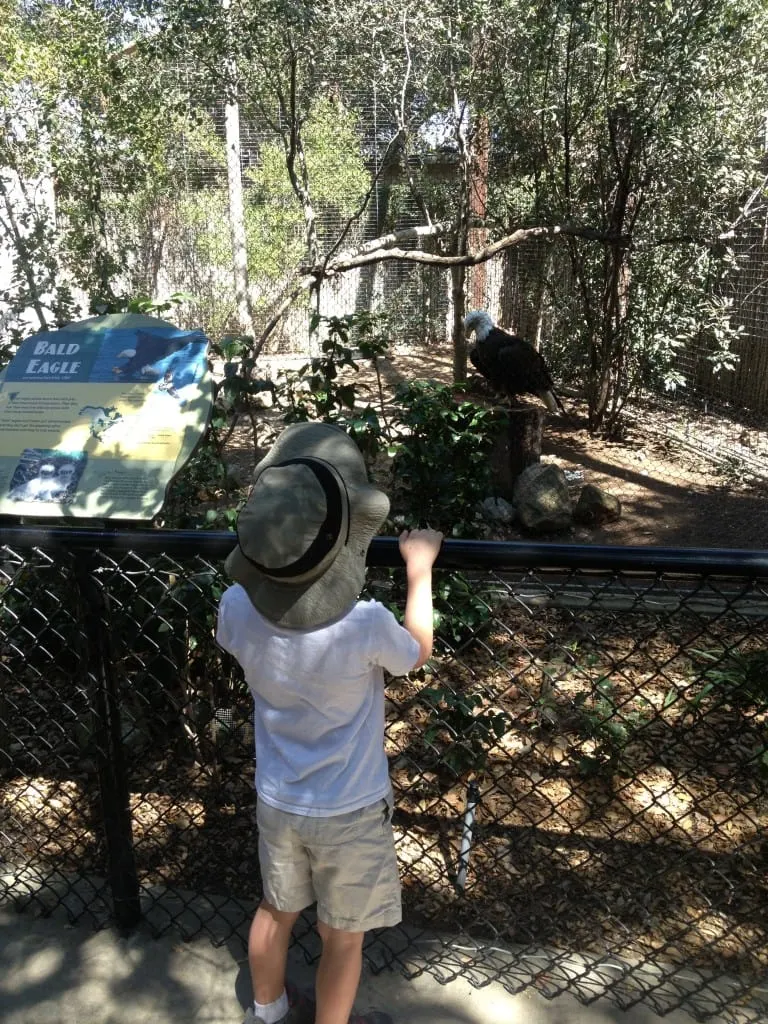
(97, 418)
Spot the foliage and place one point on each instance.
(174, 226)
(236, 393)
(609, 725)
(335, 166)
(27, 223)
(464, 726)
(142, 304)
(315, 392)
(441, 466)
(274, 221)
(640, 122)
(103, 124)
(88, 115)
(462, 609)
(324, 398)
(35, 283)
(172, 677)
(734, 677)
(195, 495)
(598, 725)
(206, 479)
(673, 305)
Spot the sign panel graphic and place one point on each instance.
(98, 417)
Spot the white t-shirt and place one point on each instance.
(319, 702)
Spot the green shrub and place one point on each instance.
(463, 728)
(734, 677)
(315, 393)
(441, 463)
(610, 725)
(461, 609)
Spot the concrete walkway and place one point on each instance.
(54, 973)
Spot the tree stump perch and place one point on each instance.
(517, 447)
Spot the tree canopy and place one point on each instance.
(629, 135)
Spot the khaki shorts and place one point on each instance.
(346, 863)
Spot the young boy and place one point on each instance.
(314, 656)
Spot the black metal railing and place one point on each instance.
(580, 771)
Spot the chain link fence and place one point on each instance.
(579, 772)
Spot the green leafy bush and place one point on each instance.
(316, 393)
(610, 725)
(463, 728)
(441, 462)
(738, 677)
(461, 609)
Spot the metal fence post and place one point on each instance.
(113, 780)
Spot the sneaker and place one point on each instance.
(301, 1010)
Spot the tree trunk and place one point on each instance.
(478, 199)
(237, 218)
(517, 446)
(25, 263)
(458, 279)
(461, 239)
(609, 347)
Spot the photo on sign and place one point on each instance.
(44, 474)
(171, 363)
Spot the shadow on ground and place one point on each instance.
(53, 971)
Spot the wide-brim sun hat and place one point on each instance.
(304, 532)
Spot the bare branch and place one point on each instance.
(382, 249)
(366, 199)
(708, 241)
(385, 241)
(747, 208)
(403, 91)
(303, 284)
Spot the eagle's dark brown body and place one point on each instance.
(509, 363)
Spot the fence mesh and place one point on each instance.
(579, 772)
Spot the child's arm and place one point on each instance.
(419, 549)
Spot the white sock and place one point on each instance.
(271, 1013)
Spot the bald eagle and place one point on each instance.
(509, 363)
(152, 349)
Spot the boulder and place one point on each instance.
(596, 506)
(497, 510)
(264, 399)
(542, 500)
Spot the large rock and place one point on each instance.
(542, 500)
(497, 510)
(596, 506)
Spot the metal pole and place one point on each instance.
(454, 554)
(473, 799)
(113, 780)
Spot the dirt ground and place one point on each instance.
(683, 479)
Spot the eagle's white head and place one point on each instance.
(480, 322)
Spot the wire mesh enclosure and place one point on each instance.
(579, 771)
